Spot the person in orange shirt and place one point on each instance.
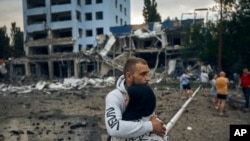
(222, 91)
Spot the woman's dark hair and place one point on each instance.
(142, 102)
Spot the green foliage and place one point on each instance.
(167, 19)
(17, 41)
(238, 30)
(235, 38)
(11, 46)
(150, 13)
(4, 43)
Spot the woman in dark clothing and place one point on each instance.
(140, 105)
(141, 102)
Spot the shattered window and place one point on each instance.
(89, 46)
(79, 2)
(88, 16)
(98, 1)
(116, 19)
(99, 31)
(121, 21)
(89, 33)
(87, 2)
(125, 11)
(120, 7)
(99, 15)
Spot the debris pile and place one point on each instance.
(67, 84)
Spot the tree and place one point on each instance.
(240, 36)
(16, 41)
(167, 19)
(200, 43)
(4, 43)
(150, 13)
(235, 38)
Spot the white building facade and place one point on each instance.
(54, 29)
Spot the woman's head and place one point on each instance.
(215, 76)
(141, 102)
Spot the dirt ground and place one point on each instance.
(78, 115)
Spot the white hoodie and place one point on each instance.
(115, 106)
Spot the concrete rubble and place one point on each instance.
(67, 84)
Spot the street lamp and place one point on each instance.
(204, 25)
(201, 9)
(182, 14)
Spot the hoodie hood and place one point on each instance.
(120, 84)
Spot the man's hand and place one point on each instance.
(158, 126)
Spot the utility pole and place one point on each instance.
(182, 14)
(220, 38)
(204, 28)
(201, 9)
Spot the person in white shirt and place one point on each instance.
(213, 91)
(185, 83)
(204, 82)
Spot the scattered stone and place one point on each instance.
(43, 117)
(30, 132)
(78, 125)
(71, 132)
(14, 132)
(1, 137)
(48, 131)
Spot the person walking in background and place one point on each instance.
(213, 91)
(236, 81)
(181, 88)
(204, 82)
(244, 83)
(222, 92)
(184, 80)
(136, 71)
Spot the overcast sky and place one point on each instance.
(11, 10)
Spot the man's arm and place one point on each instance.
(117, 127)
(158, 127)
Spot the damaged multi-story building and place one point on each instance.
(56, 32)
(158, 43)
(77, 38)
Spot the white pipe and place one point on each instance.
(179, 113)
